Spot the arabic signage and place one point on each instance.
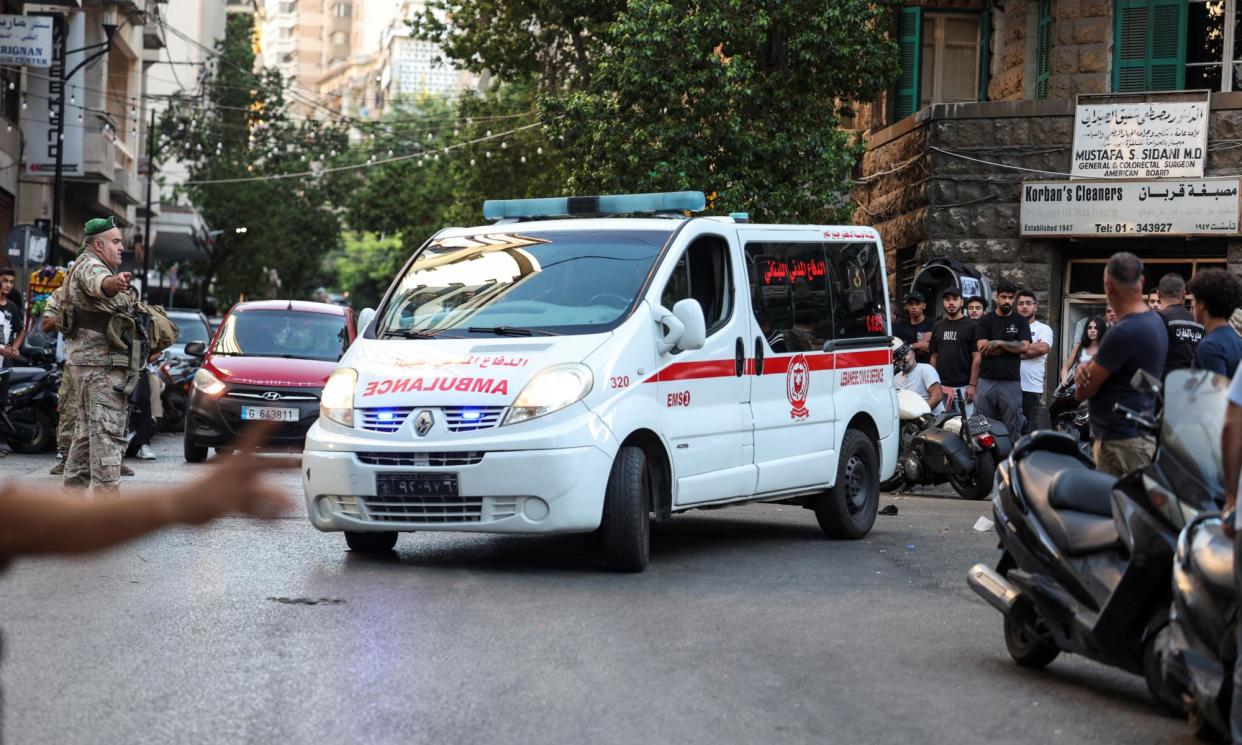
(26, 40)
(43, 93)
(1130, 208)
(1140, 140)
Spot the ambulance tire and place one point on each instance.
(847, 510)
(625, 529)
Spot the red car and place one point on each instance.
(267, 361)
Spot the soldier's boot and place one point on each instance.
(58, 469)
(126, 470)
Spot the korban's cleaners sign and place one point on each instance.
(1140, 140)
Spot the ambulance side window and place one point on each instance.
(858, 278)
(791, 295)
(703, 273)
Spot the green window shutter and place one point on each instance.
(1043, 50)
(1150, 45)
(910, 39)
(985, 57)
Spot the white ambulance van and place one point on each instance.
(542, 375)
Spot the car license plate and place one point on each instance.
(269, 414)
(416, 484)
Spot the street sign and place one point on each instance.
(1068, 209)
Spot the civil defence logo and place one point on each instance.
(798, 386)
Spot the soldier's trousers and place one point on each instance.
(68, 414)
(99, 433)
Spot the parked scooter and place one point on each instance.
(177, 375)
(1069, 415)
(28, 417)
(1202, 647)
(954, 447)
(1088, 559)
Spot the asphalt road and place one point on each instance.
(748, 626)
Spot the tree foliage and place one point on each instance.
(241, 127)
(549, 42)
(732, 97)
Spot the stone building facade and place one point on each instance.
(943, 176)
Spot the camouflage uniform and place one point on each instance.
(99, 431)
(68, 395)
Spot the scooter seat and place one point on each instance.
(26, 374)
(1070, 500)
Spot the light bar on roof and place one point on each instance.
(608, 204)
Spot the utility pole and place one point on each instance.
(148, 244)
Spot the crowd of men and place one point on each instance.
(997, 358)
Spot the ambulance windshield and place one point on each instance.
(549, 282)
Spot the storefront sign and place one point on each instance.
(25, 40)
(1130, 208)
(1140, 140)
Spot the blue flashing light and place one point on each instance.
(608, 204)
(385, 416)
(471, 415)
(740, 216)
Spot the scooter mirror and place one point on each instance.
(1145, 383)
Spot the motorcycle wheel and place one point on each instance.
(1164, 690)
(978, 485)
(45, 432)
(1027, 649)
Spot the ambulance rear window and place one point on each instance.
(553, 282)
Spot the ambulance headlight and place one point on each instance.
(551, 390)
(207, 383)
(336, 403)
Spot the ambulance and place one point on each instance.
(596, 363)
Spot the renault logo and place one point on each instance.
(423, 423)
(272, 396)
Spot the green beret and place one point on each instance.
(98, 225)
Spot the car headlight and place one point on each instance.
(552, 389)
(336, 403)
(207, 383)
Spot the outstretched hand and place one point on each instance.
(236, 484)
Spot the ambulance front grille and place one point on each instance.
(422, 460)
(385, 420)
(471, 418)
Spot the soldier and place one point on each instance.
(68, 408)
(94, 292)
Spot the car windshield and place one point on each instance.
(554, 282)
(191, 328)
(281, 333)
(1194, 415)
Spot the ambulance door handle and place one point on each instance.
(739, 357)
(758, 355)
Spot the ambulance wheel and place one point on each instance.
(847, 510)
(625, 530)
(371, 543)
(194, 453)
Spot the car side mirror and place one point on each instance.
(365, 316)
(1145, 383)
(196, 349)
(682, 328)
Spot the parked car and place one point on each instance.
(268, 362)
(191, 326)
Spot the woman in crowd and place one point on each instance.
(1086, 346)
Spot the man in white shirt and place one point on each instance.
(1034, 364)
(919, 378)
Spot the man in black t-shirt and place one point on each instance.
(1184, 332)
(916, 328)
(1138, 340)
(1003, 337)
(953, 350)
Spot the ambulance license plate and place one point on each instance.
(416, 484)
(269, 414)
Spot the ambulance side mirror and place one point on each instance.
(364, 318)
(682, 328)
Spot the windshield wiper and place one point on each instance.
(508, 331)
(408, 333)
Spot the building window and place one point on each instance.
(288, 7)
(1151, 42)
(1043, 50)
(342, 10)
(1212, 45)
(941, 60)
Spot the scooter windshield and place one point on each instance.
(522, 283)
(1194, 414)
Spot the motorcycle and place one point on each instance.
(29, 415)
(954, 447)
(1069, 415)
(177, 375)
(1202, 647)
(1087, 559)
